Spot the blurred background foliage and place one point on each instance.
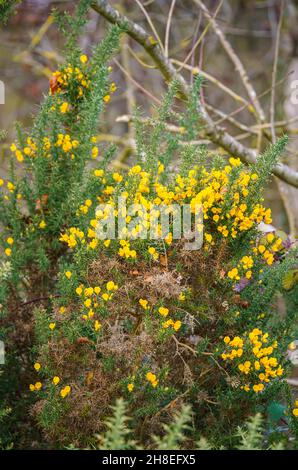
(30, 45)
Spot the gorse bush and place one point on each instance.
(88, 320)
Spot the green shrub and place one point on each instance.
(87, 321)
(248, 437)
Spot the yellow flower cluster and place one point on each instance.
(176, 325)
(107, 97)
(152, 379)
(61, 79)
(78, 79)
(65, 391)
(35, 387)
(11, 189)
(18, 154)
(268, 247)
(64, 108)
(182, 296)
(170, 323)
(10, 186)
(65, 142)
(263, 252)
(198, 187)
(72, 238)
(29, 150)
(56, 380)
(46, 144)
(144, 304)
(164, 312)
(125, 250)
(84, 208)
(10, 242)
(245, 265)
(94, 152)
(152, 251)
(93, 298)
(295, 410)
(38, 385)
(257, 362)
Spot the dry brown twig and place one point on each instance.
(168, 27)
(200, 39)
(210, 78)
(235, 60)
(274, 72)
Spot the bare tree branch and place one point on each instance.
(200, 39)
(213, 80)
(274, 73)
(216, 134)
(235, 59)
(168, 27)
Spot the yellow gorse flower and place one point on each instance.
(259, 366)
(295, 410)
(35, 387)
(144, 304)
(200, 186)
(65, 391)
(163, 311)
(152, 379)
(56, 380)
